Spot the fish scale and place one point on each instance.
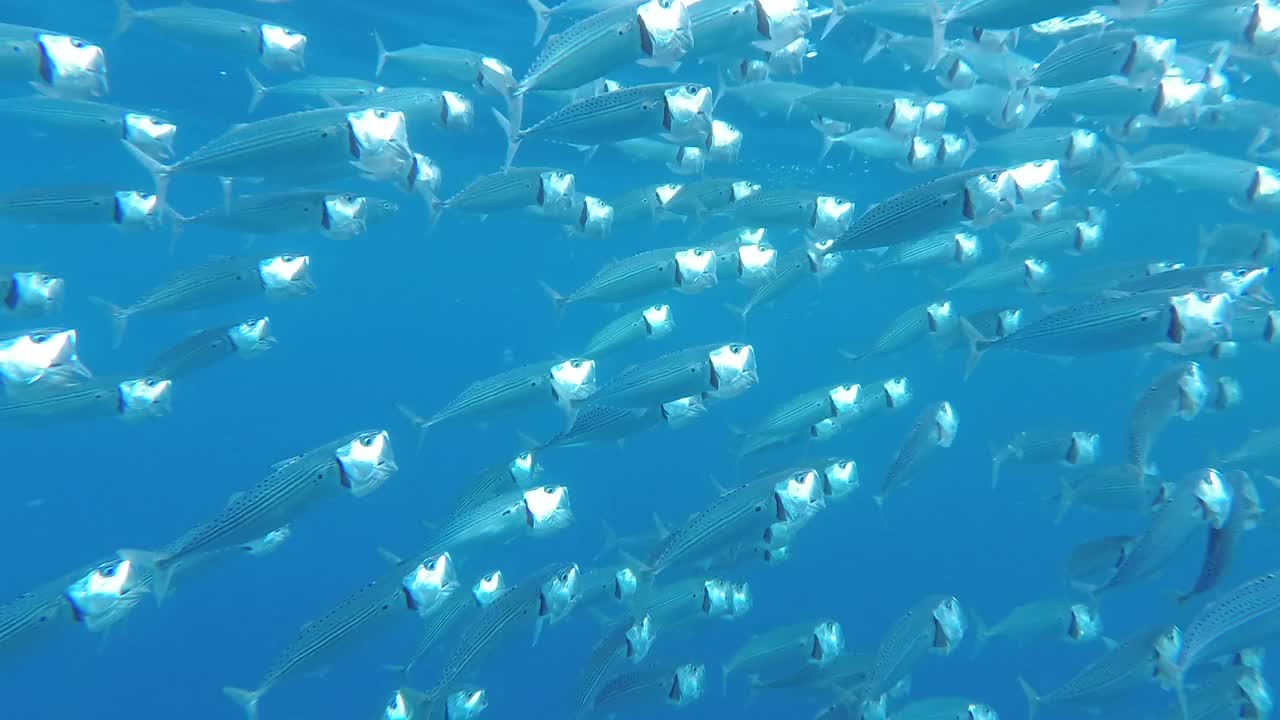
(910, 214)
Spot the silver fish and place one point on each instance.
(935, 428)
(205, 347)
(82, 204)
(38, 360)
(935, 319)
(611, 646)
(690, 270)
(521, 472)
(935, 625)
(343, 90)
(679, 687)
(1220, 551)
(717, 369)
(276, 46)
(1072, 449)
(131, 399)
(516, 188)
(449, 65)
(1058, 619)
(1124, 667)
(1179, 392)
(97, 121)
(1113, 487)
(818, 643)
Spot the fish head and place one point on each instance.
(32, 294)
(778, 535)
(666, 32)
(70, 67)
(488, 588)
(788, 61)
(659, 321)
(933, 121)
(457, 112)
(733, 370)
(106, 594)
(559, 593)
(424, 177)
(1083, 448)
(1199, 319)
(136, 209)
(686, 115)
(366, 462)
(1241, 281)
(282, 48)
(430, 584)
(724, 142)
(717, 598)
(741, 599)
(756, 264)
(957, 75)
(695, 270)
(946, 424)
(682, 412)
(897, 392)
(1008, 322)
(751, 71)
(1166, 650)
(465, 704)
(547, 508)
(968, 248)
(573, 380)
(689, 160)
(1262, 30)
(1083, 148)
(639, 639)
(740, 189)
(844, 398)
(1088, 237)
(776, 556)
(142, 398)
(1084, 623)
(286, 275)
(268, 543)
(780, 22)
(625, 585)
(1178, 100)
(989, 196)
(1229, 395)
(524, 469)
(399, 707)
(663, 193)
(151, 135)
(41, 359)
(800, 496)
(839, 478)
(825, 429)
(344, 215)
(556, 190)
(1037, 274)
(1193, 391)
(1215, 497)
(924, 153)
(1038, 183)
(904, 117)
(979, 711)
(495, 77)
(252, 337)
(955, 150)
(687, 682)
(940, 317)
(876, 708)
(831, 217)
(378, 141)
(828, 642)
(1150, 54)
(949, 625)
(595, 219)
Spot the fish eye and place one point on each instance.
(431, 565)
(993, 176)
(691, 88)
(575, 363)
(78, 43)
(367, 440)
(548, 490)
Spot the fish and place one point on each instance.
(456, 610)
(935, 427)
(946, 248)
(915, 323)
(540, 510)
(603, 423)
(1120, 670)
(520, 472)
(745, 511)
(202, 348)
(1075, 238)
(1111, 487)
(130, 399)
(450, 65)
(342, 90)
(82, 205)
(934, 625)
(819, 643)
(515, 188)
(1057, 619)
(945, 707)
(341, 216)
(1261, 444)
(1178, 392)
(612, 644)
(722, 369)
(41, 359)
(95, 121)
(275, 46)
(1072, 449)
(1220, 549)
(357, 464)
(223, 279)
(688, 270)
(30, 293)
(1236, 242)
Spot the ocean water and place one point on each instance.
(411, 312)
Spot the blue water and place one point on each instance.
(413, 313)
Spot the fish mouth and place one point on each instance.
(646, 39)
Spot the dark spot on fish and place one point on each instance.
(646, 40)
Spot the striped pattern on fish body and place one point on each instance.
(1128, 664)
(859, 106)
(1195, 277)
(1085, 58)
(44, 607)
(675, 604)
(907, 641)
(1158, 404)
(519, 386)
(1111, 96)
(912, 213)
(459, 608)
(1172, 525)
(1103, 325)
(267, 213)
(1252, 605)
(320, 87)
(1046, 617)
(220, 280)
(289, 489)
(516, 188)
(602, 423)
(769, 208)
(320, 640)
(1116, 487)
(934, 250)
(497, 516)
(488, 484)
(63, 204)
(787, 645)
(722, 26)
(1220, 549)
(204, 24)
(738, 514)
(69, 114)
(798, 413)
(637, 687)
(97, 398)
(619, 115)
(198, 350)
(518, 606)
(903, 331)
(919, 444)
(619, 333)
(703, 196)
(849, 670)
(584, 51)
(675, 375)
(310, 137)
(793, 269)
(603, 654)
(1028, 144)
(630, 278)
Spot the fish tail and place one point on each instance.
(981, 634)
(977, 346)
(739, 312)
(259, 90)
(1066, 498)
(998, 456)
(938, 26)
(1033, 699)
(541, 19)
(512, 131)
(119, 320)
(559, 302)
(124, 17)
(178, 221)
(878, 45)
(159, 171)
(724, 679)
(838, 12)
(419, 422)
(246, 699)
(158, 565)
(382, 54)
(1180, 690)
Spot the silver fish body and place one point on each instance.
(203, 348)
(935, 428)
(82, 204)
(1127, 665)
(277, 47)
(1071, 449)
(679, 687)
(100, 122)
(935, 625)
(1223, 542)
(1179, 392)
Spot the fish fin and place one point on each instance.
(159, 171)
(977, 346)
(124, 17)
(560, 302)
(390, 557)
(421, 423)
(1066, 498)
(938, 35)
(159, 565)
(611, 541)
(541, 19)
(981, 634)
(246, 699)
(878, 45)
(998, 457)
(512, 132)
(838, 12)
(1033, 698)
(382, 54)
(177, 221)
(119, 319)
(259, 90)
